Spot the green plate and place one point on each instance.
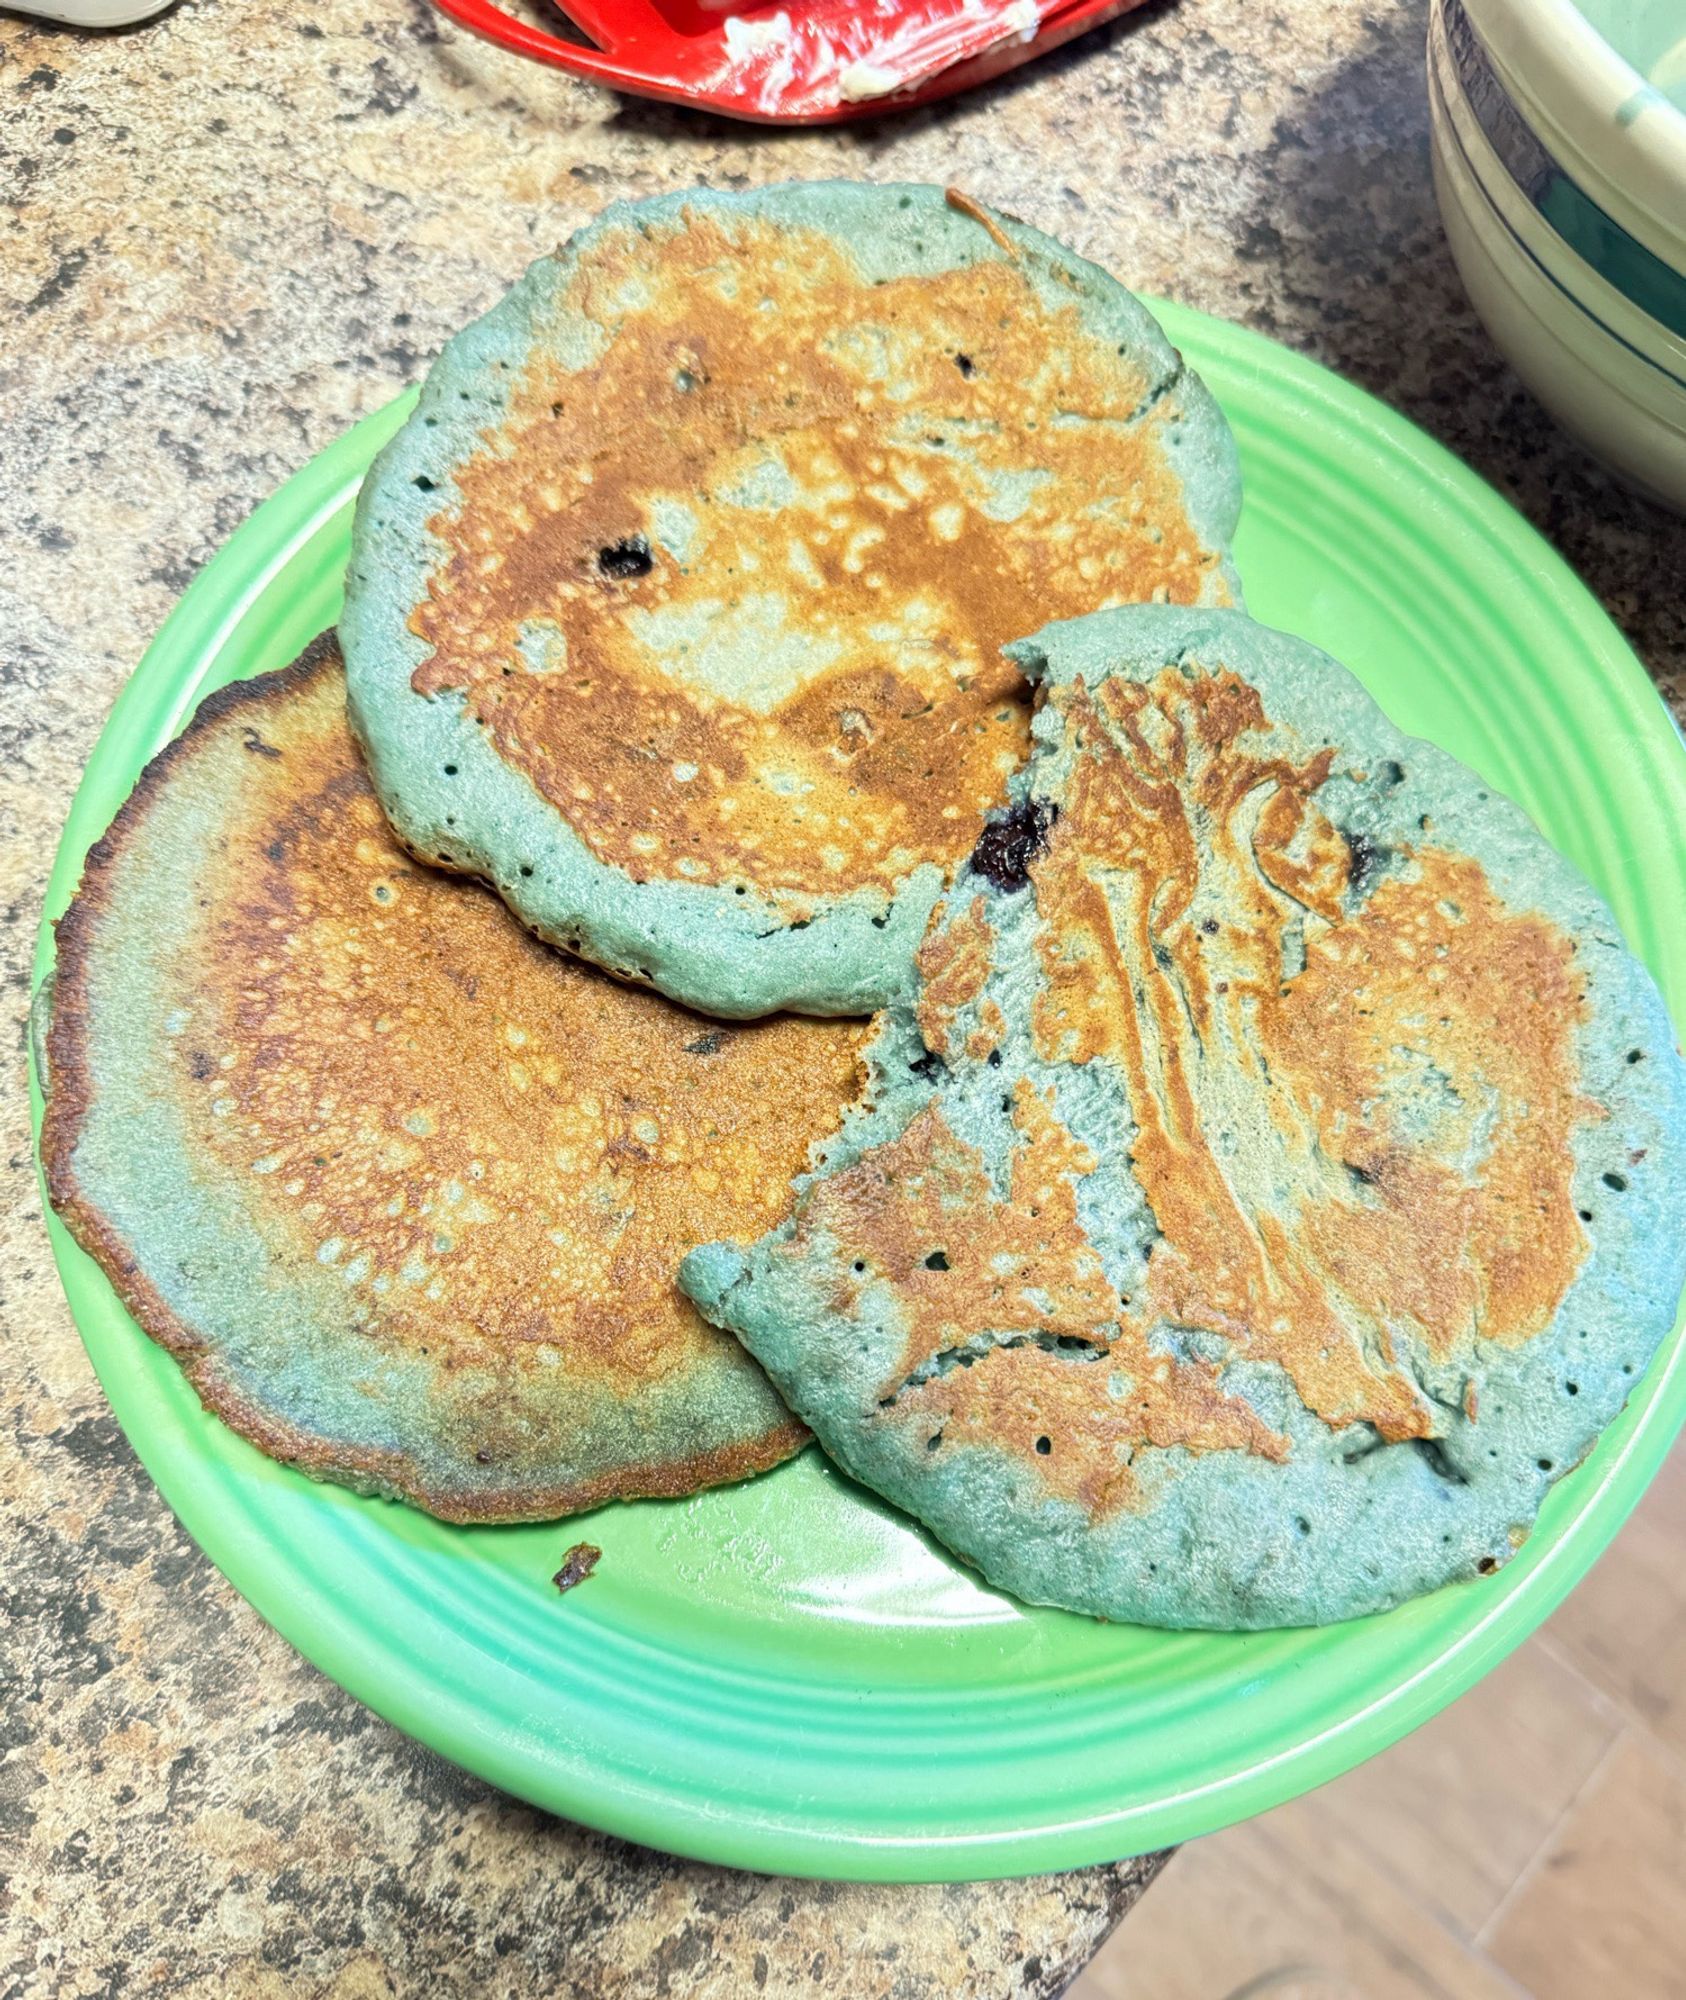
(786, 1675)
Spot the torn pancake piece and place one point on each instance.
(1275, 1183)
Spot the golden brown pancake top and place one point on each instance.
(921, 1212)
(812, 698)
(1226, 973)
(504, 1148)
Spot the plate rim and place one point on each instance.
(383, 1675)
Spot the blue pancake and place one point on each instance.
(397, 1184)
(1274, 1185)
(675, 610)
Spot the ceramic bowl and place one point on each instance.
(90, 13)
(1559, 141)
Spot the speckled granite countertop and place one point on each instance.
(228, 234)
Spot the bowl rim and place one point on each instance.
(1601, 297)
(1596, 112)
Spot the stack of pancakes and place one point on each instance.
(1260, 1175)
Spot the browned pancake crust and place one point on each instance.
(1376, 1232)
(922, 1213)
(514, 1143)
(876, 763)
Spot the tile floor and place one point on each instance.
(1531, 1841)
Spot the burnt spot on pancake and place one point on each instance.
(1011, 842)
(1366, 860)
(819, 518)
(624, 559)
